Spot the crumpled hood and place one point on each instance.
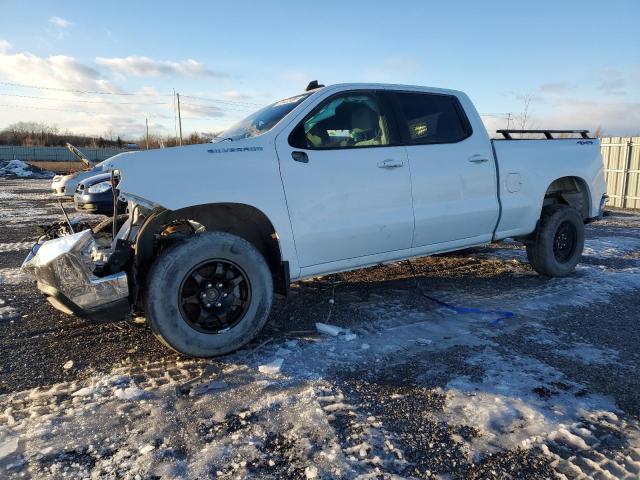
(178, 177)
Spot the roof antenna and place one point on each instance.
(313, 84)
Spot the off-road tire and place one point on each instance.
(106, 225)
(103, 231)
(165, 282)
(552, 261)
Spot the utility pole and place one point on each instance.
(175, 115)
(508, 120)
(179, 117)
(146, 121)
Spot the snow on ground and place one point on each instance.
(6, 311)
(15, 246)
(18, 168)
(13, 276)
(241, 421)
(406, 392)
(18, 207)
(10, 194)
(611, 247)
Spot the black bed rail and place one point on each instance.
(547, 133)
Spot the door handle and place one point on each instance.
(478, 159)
(301, 157)
(390, 164)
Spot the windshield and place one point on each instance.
(263, 120)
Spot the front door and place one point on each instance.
(348, 190)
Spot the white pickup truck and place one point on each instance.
(334, 179)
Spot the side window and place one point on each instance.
(431, 118)
(352, 120)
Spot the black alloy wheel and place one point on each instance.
(214, 296)
(564, 242)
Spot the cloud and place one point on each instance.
(394, 68)
(297, 77)
(402, 63)
(110, 34)
(571, 112)
(145, 66)
(532, 98)
(615, 118)
(60, 22)
(235, 95)
(92, 113)
(4, 46)
(557, 88)
(56, 71)
(493, 123)
(613, 86)
(191, 110)
(592, 104)
(610, 81)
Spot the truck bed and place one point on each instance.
(526, 169)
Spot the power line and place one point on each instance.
(36, 107)
(246, 109)
(89, 92)
(219, 100)
(81, 101)
(93, 92)
(33, 107)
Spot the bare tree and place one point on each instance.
(42, 134)
(523, 119)
(598, 132)
(109, 134)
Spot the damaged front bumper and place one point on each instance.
(63, 268)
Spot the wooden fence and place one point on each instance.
(621, 156)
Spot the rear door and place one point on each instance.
(346, 181)
(452, 169)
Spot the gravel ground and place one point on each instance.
(410, 389)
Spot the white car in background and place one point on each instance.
(65, 185)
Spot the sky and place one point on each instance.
(102, 68)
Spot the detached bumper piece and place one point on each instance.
(64, 271)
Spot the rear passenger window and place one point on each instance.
(431, 118)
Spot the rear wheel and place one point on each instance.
(209, 294)
(558, 241)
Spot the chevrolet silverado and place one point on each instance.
(333, 179)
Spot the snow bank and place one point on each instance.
(20, 169)
(13, 276)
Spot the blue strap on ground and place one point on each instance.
(502, 314)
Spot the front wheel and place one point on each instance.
(209, 294)
(558, 241)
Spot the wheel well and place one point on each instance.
(239, 219)
(572, 191)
